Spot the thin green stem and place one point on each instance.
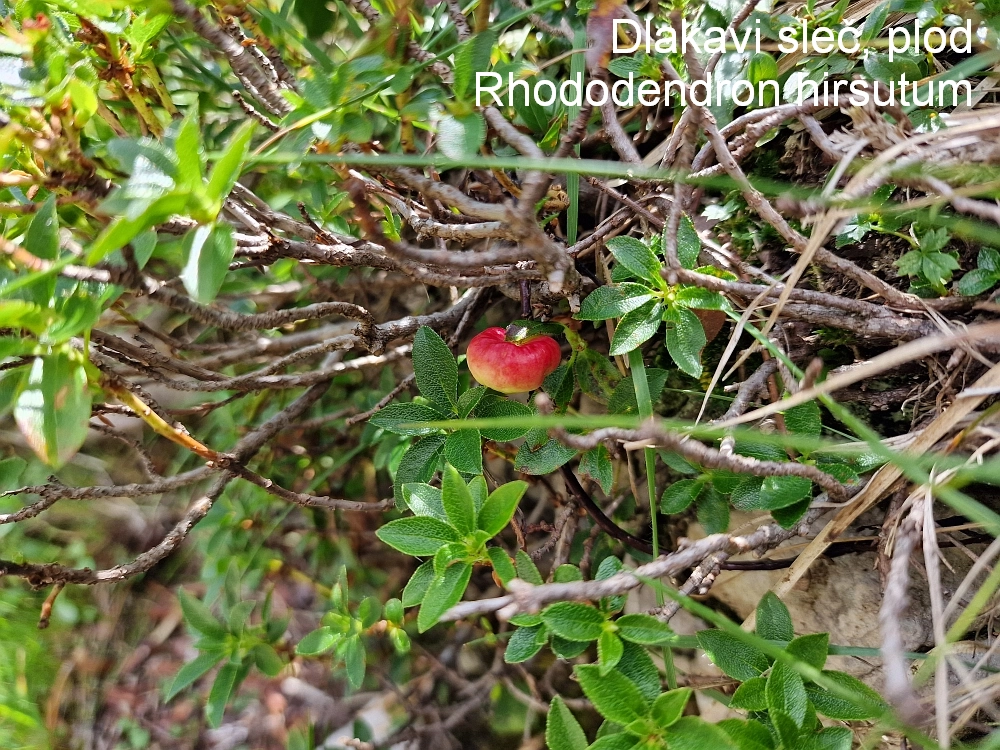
(645, 404)
(576, 65)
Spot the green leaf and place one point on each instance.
(878, 66)
(989, 260)
(118, 233)
(445, 556)
(565, 649)
(559, 385)
(744, 490)
(667, 709)
(275, 628)
(937, 267)
(688, 244)
(610, 566)
(694, 733)
(435, 369)
(524, 643)
(53, 409)
(737, 659)
(493, 406)
(867, 705)
(191, 671)
(574, 621)
(697, 298)
(977, 281)
(875, 22)
(762, 451)
(227, 169)
(613, 301)
(418, 463)
(143, 246)
(812, 649)
(500, 506)
(639, 668)
(424, 500)
(443, 594)
(223, 687)
(609, 651)
(780, 492)
(502, 564)
(622, 66)
(369, 611)
(42, 237)
(354, 661)
(620, 741)
(317, 642)
(464, 450)
(460, 137)
(786, 728)
(713, 511)
(457, 501)
(788, 517)
(935, 239)
(534, 115)
(417, 586)
(774, 622)
(526, 569)
(10, 472)
(804, 419)
(623, 401)
(637, 257)
(16, 313)
(239, 615)
(750, 695)
(562, 730)
(786, 692)
(417, 536)
(479, 491)
(567, 573)
(187, 146)
(636, 327)
(198, 617)
(678, 496)
(392, 417)
(830, 738)
(762, 68)
(231, 587)
(685, 339)
(527, 621)
(468, 400)
(473, 56)
(209, 250)
(544, 458)
(643, 629)
(596, 375)
(747, 735)
(596, 464)
(614, 696)
(910, 264)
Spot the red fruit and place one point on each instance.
(511, 366)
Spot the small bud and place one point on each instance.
(394, 611)
(400, 641)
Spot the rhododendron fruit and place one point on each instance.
(510, 362)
